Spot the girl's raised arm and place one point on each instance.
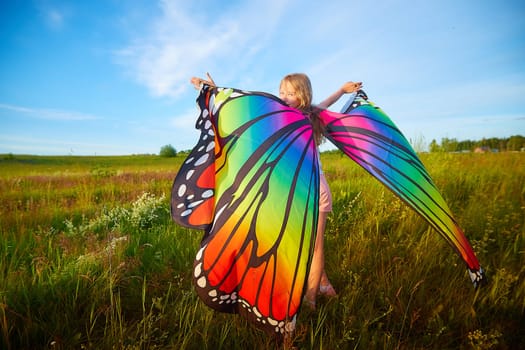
(347, 88)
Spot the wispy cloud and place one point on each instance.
(185, 120)
(49, 114)
(21, 144)
(181, 43)
(54, 17)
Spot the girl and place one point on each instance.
(296, 91)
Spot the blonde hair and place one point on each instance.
(303, 89)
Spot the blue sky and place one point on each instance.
(112, 77)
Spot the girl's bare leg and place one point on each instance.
(317, 265)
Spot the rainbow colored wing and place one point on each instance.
(368, 136)
(254, 257)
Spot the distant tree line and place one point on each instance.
(494, 144)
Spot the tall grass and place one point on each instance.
(91, 260)
(45, 191)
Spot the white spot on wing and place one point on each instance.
(202, 159)
(199, 253)
(207, 194)
(198, 270)
(201, 282)
(194, 204)
(182, 190)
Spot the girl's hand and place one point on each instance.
(350, 87)
(197, 82)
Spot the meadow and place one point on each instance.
(90, 259)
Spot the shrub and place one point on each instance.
(168, 151)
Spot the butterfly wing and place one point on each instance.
(254, 257)
(369, 137)
(192, 193)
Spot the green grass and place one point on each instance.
(90, 259)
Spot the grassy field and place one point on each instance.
(91, 260)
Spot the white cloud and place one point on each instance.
(185, 120)
(183, 42)
(49, 114)
(55, 18)
(21, 144)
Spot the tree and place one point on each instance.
(168, 151)
(449, 145)
(434, 147)
(515, 143)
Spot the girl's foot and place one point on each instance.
(309, 303)
(327, 290)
